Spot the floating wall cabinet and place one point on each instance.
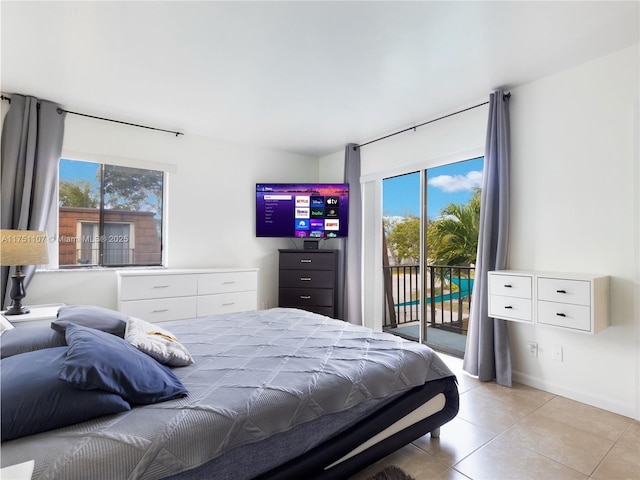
(572, 302)
(511, 295)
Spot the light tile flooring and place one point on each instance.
(521, 433)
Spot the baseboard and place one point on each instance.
(606, 403)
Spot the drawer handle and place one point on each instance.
(160, 311)
(228, 304)
(306, 260)
(508, 306)
(305, 279)
(305, 297)
(229, 283)
(161, 286)
(561, 291)
(507, 286)
(561, 314)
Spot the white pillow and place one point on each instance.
(5, 324)
(157, 343)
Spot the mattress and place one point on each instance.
(259, 378)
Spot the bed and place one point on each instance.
(271, 394)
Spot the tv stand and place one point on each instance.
(308, 280)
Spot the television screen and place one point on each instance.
(302, 210)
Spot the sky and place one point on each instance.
(446, 184)
(70, 169)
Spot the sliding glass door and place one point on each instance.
(430, 235)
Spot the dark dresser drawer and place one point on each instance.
(302, 297)
(307, 278)
(315, 260)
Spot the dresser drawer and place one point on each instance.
(307, 278)
(562, 290)
(157, 286)
(510, 285)
(211, 283)
(302, 297)
(160, 310)
(307, 261)
(226, 303)
(566, 315)
(510, 308)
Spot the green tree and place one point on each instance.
(135, 189)
(452, 239)
(404, 239)
(77, 193)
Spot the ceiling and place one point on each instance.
(303, 76)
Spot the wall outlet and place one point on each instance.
(556, 353)
(532, 349)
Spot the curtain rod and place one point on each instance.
(61, 110)
(423, 124)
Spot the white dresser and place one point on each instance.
(569, 301)
(161, 295)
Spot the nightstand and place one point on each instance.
(38, 315)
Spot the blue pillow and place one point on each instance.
(91, 316)
(99, 360)
(28, 339)
(34, 400)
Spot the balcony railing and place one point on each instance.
(111, 256)
(448, 296)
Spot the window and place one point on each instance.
(430, 226)
(109, 215)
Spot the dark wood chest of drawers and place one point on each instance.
(308, 279)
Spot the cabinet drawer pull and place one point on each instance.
(228, 304)
(305, 279)
(561, 291)
(508, 306)
(561, 314)
(305, 297)
(160, 311)
(161, 286)
(507, 286)
(228, 283)
(306, 260)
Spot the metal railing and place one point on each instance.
(111, 256)
(448, 296)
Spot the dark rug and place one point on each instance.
(390, 473)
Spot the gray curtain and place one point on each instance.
(487, 353)
(31, 145)
(350, 284)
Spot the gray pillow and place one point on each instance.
(98, 318)
(28, 339)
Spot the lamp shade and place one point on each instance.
(23, 247)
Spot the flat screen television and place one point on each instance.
(302, 210)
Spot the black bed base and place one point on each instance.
(312, 465)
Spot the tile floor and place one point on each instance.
(521, 433)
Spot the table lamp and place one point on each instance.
(19, 248)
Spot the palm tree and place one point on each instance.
(452, 239)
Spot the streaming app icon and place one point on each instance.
(302, 201)
(332, 201)
(302, 224)
(317, 201)
(332, 225)
(317, 212)
(302, 212)
(331, 213)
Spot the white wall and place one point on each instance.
(575, 208)
(210, 211)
